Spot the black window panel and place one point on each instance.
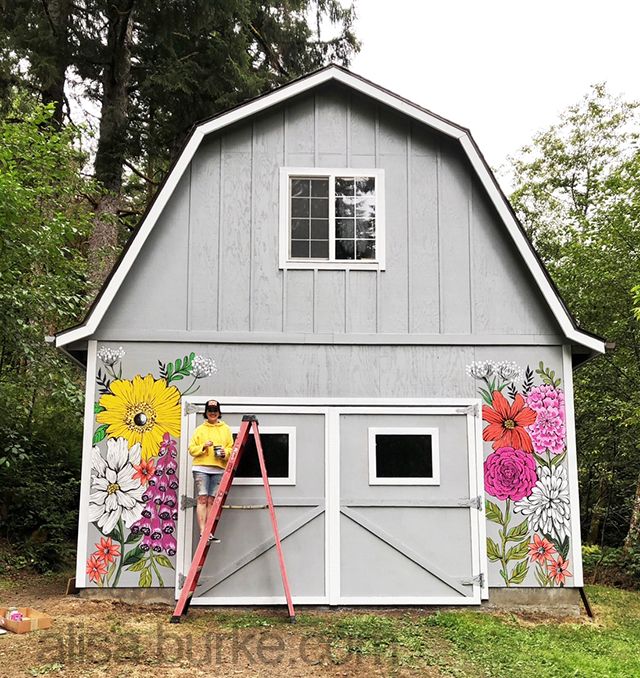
(345, 207)
(320, 188)
(299, 207)
(365, 185)
(366, 207)
(345, 186)
(344, 249)
(319, 249)
(365, 249)
(365, 228)
(320, 229)
(344, 228)
(275, 447)
(299, 188)
(404, 456)
(319, 208)
(300, 248)
(299, 229)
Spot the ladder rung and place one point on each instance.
(246, 507)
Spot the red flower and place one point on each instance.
(144, 470)
(540, 550)
(507, 422)
(559, 570)
(107, 551)
(96, 567)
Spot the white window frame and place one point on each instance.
(435, 455)
(290, 431)
(285, 261)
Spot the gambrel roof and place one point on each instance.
(586, 342)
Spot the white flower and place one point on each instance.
(115, 494)
(481, 369)
(547, 507)
(203, 366)
(508, 371)
(110, 356)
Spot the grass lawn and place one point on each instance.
(106, 638)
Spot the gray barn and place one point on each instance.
(350, 264)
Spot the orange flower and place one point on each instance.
(107, 551)
(507, 422)
(540, 550)
(96, 567)
(144, 471)
(559, 570)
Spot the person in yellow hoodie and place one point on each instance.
(210, 446)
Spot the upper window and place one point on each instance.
(332, 218)
(279, 448)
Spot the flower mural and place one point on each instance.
(525, 472)
(133, 501)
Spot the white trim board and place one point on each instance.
(278, 96)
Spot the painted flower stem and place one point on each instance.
(119, 570)
(189, 391)
(155, 567)
(503, 539)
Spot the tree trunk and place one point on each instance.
(597, 514)
(111, 151)
(632, 540)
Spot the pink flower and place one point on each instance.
(540, 550)
(559, 570)
(548, 430)
(509, 474)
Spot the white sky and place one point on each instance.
(504, 69)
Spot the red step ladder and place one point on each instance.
(249, 425)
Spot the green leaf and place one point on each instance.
(138, 566)
(100, 433)
(98, 408)
(133, 538)
(176, 377)
(494, 514)
(558, 459)
(518, 532)
(519, 573)
(161, 559)
(192, 355)
(541, 460)
(518, 551)
(493, 551)
(146, 578)
(133, 556)
(178, 364)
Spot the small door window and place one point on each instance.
(279, 447)
(404, 456)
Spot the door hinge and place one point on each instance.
(187, 502)
(473, 502)
(181, 580)
(191, 408)
(470, 409)
(478, 580)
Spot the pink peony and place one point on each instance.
(509, 474)
(548, 430)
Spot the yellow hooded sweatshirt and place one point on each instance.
(219, 434)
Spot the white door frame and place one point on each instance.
(332, 408)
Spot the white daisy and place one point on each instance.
(115, 494)
(110, 356)
(481, 369)
(547, 507)
(203, 366)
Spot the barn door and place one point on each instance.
(243, 568)
(409, 510)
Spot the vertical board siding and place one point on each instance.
(506, 299)
(300, 301)
(235, 226)
(424, 306)
(203, 233)
(266, 279)
(454, 195)
(361, 302)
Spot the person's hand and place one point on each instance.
(209, 443)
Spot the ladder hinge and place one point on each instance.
(181, 580)
(187, 502)
(478, 580)
(470, 409)
(474, 502)
(190, 408)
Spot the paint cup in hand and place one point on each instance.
(219, 451)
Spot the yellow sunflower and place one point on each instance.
(141, 411)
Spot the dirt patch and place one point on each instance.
(100, 638)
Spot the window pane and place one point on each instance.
(403, 456)
(320, 208)
(320, 188)
(344, 207)
(365, 185)
(344, 249)
(366, 207)
(275, 447)
(299, 207)
(345, 186)
(320, 249)
(300, 228)
(300, 248)
(344, 228)
(320, 229)
(299, 187)
(365, 228)
(365, 249)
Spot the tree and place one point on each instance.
(576, 197)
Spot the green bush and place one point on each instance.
(611, 565)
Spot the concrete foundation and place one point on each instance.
(553, 601)
(133, 596)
